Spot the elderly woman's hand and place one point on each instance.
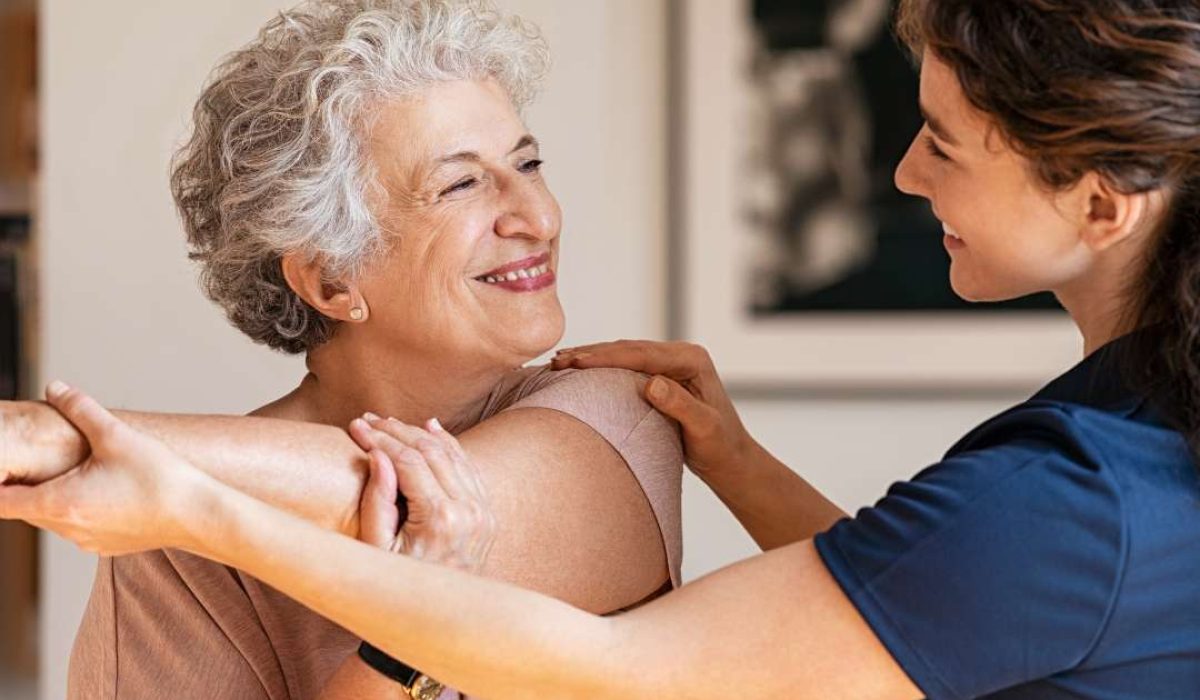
(685, 387)
(131, 494)
(445, 517)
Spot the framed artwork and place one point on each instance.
(795, 259)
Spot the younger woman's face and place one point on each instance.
(1006, 234)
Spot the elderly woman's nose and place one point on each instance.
(530, 212)
(541, 226)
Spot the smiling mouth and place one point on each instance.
(528, 269)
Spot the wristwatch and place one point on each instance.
(418, 685)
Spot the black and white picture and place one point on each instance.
(835, 105)
(800, 258)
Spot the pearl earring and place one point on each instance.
(356, 314)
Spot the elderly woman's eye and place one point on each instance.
(460, 186)
(531, 166)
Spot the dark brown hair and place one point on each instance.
(1104, 86)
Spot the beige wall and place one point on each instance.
(124, 319)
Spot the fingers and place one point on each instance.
(379, 517)
(679, 361)
(414, 478)
(471, 477)
(448, 521)
(698, 418)
(442, 459)
(84, 412)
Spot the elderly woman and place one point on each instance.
(360, 188)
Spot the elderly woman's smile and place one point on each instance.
(471, 229)
(528, 275)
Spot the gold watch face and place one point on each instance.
(426, 689)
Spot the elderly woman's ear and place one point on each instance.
(306, 278)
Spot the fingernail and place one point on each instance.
(657, 389)
(565, 351)
(436, 425)
(55, 389)
(370, 416)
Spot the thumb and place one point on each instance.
(379, 517)
(92, 419)
(674, 401)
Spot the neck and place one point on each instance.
(346, 380)
(1099, 305)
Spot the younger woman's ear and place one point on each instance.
(1112, 216)
(307, 280)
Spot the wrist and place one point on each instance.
(37, 443)
(743, 460)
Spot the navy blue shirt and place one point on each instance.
(1053, 553)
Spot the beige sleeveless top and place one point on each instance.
(169, 625)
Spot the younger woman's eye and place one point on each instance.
(531, 166)
(934, 149)
(460, 186)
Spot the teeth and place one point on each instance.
(951, 232)
(526, 274)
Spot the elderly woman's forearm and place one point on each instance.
(311, 470)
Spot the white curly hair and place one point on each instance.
(275, 164)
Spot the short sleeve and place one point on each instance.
(993, 568)
(610, 402)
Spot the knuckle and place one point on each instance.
(479, 516)
(447, 516)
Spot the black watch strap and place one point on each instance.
(396, 670)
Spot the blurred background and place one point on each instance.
(95, 287)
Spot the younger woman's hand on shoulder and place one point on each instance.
(444, 516)
(131, 494)
(686, 387)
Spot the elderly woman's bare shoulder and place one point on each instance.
(589, 478)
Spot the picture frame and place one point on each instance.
(839, 351)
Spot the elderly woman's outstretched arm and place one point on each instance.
(574, 522)
(313, 471)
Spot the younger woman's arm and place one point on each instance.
(775, 504)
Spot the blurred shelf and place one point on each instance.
(15, 200)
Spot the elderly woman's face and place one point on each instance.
(470, 274)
